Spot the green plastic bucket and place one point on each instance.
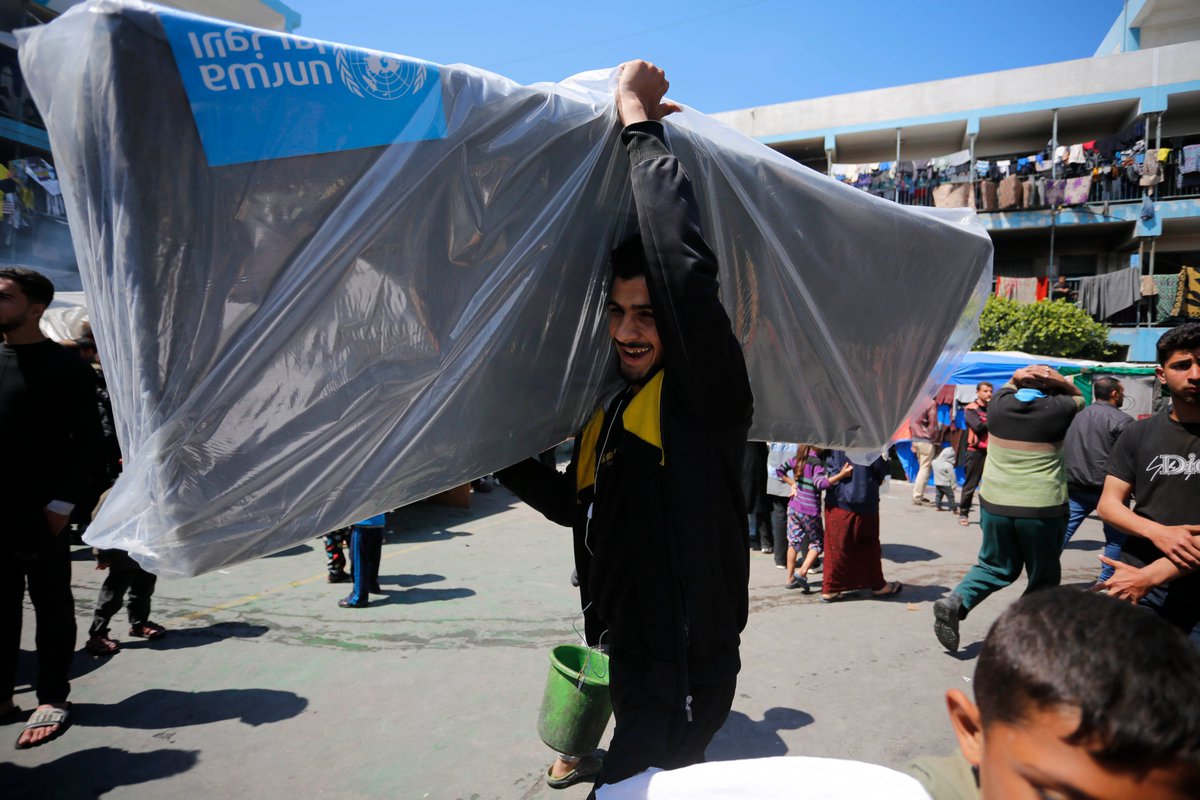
(575, 705)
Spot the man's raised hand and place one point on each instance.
(640, 90)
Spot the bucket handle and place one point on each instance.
(598, 648)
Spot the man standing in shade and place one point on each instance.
(653, 491)
(1024, 494)
(1089, 441)
(50, 428)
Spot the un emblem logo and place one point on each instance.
(380, 76)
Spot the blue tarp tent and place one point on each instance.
(995, 367)
(998, 366)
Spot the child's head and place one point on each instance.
(1081, 695)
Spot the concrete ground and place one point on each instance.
(265, 687)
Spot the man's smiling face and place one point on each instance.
(633, 330)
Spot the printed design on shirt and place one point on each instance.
(1170, 464)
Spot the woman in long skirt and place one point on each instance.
(853, 557)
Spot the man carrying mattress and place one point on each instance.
(652, 492)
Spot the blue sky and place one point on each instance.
(726, 54)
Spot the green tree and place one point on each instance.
(1057, 328)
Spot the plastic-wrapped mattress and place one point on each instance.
(326, 282)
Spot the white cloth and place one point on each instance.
(782, 778)
(959, 158)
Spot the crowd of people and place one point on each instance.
(824, 514)
(1051, 461)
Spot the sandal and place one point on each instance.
(587, 769)
(836, 596)
(99, 644)
(889, 590)
(963, 521)
(148, 630)
(44, 718)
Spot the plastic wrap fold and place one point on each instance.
(309, 313)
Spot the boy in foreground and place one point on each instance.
(1076, 696)
(1059, 714)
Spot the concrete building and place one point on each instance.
(33, 224)
(1147, 70)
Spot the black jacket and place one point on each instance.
(660, 528)
(51, 426)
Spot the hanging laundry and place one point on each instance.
(1147, 212)
(1021, 290)
(1009, 193)
(1148, 286)
(1164, 153)
(1189, 167)
(1189, 160)
(988, 196)
(1187, 295)
(1055, 189)
(1043, 289)
(1105, 295)
(1030, 196)
(1166, 285)
(959, 158)
(1076, 190)
(1151, 172)
(1026, 290)
(953, 195)
(1076, 155)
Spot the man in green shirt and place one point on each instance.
(1024, 495)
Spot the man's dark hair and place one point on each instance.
(629, 259)
(1104, 388)
(1182, 337)
(1133, 677)
(982, 384)
(36, 286)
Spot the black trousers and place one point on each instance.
(124, 575)
(650, 732)
(779, 528)
(43, 563)
(974, 472)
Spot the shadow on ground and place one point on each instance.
(181, 638)
(970, 652)
(916, 593)
(295, 551)
(1084, 544)
(93, 773)
(409, 581)
(414, 596)
(159, 709)
(27, 665)
(742, 737)
(905, 553)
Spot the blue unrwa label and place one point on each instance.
(257, 95)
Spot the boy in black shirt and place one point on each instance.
(1157, 462)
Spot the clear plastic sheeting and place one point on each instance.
(296, 342)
